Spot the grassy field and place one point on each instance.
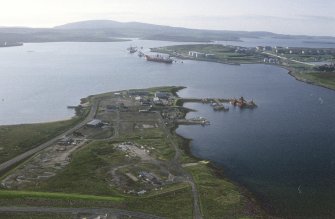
(317, 78)
(227, 55)
(50, 199)
(98, 174)
(220, 197)
(84, 181)
(9, 194)
(87, 172)
(222, 53)
(16, 139)
(36, 216)
(172, 204)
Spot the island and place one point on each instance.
(10, 44)
(310, 65)
(121, 156)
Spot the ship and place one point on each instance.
(140, 54)
(242, 103)
(159, 58)
(132, 49)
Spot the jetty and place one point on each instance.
(218, 105)
(242, 103)
(194, 121)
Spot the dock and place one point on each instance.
(194, 121)
(218, 105)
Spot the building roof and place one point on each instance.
(94, 122)
(163, 95)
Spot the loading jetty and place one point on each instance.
(242, 103)
(218, 104)
(194, 121)
(132, 49)
(159, 58)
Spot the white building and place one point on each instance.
(196, 54)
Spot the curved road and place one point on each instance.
(6, 165)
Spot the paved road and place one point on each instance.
(291, 60)
(93, 211)
(6, 165)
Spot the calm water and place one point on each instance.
(286, 143)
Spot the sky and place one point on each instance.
(307, 17)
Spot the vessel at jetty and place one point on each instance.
(159, 58)
(132, 49)
(242, 103)
(140, 54)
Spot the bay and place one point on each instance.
(283, 151)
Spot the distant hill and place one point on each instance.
(109, 24)
(108, 31)
(160, 32)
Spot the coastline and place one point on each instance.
(304, 80)
(254, 201)
(248, 202)
(291, 71)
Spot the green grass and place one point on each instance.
(86, 181)
(323, 79)
(174, 204)
(83, 183)
(16, 139)
(88, 171)
(163, 150)
(222, 53)
(9, 194)
(151, 90)
(220, 197)
(27, 215)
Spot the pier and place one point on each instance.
(193, 121)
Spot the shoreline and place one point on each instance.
(218, 170)
(292, 74)
(253, 205)
(253, 199)
(291, 71)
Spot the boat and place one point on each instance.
(242, 103)
(220, 108)
(140, 54)
(159, 58)
(132, 49)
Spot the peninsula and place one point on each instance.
(119, 157)
(311, 65)
(10, 44)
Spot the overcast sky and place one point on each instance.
(309, 17)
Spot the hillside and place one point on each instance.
(109, 31)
